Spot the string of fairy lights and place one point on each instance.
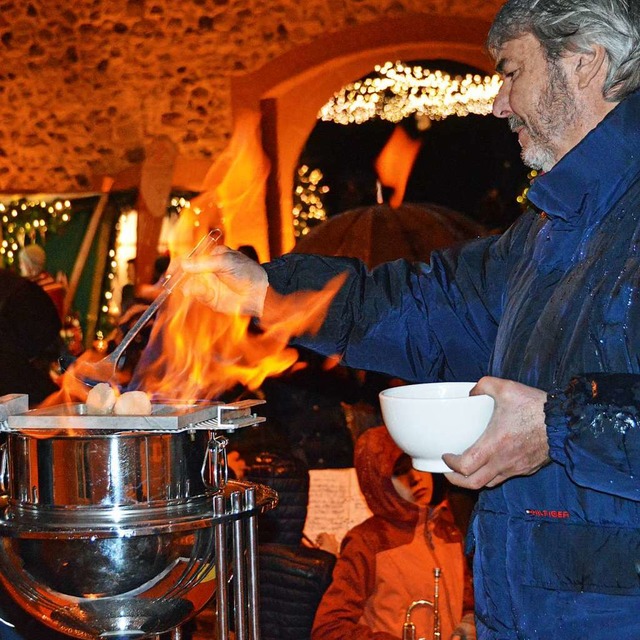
(24, 221)
(396, 91)
(523, 199)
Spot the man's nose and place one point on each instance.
(501, 108)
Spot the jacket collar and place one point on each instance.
(597, 170)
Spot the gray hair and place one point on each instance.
(575, 26)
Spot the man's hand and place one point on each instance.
(227, 281)
(514, 443)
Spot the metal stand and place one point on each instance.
(245, 564)
(176, 634)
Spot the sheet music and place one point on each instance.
(336, 503)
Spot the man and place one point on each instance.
(546, 316)
(32, 261)
(29, 338)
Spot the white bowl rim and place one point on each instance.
(437, 392)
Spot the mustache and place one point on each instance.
(515, 122)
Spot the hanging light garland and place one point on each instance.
(308, 209)
(397, 91)
(25, 219)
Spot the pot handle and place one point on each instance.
(215, 471)
(4, 469)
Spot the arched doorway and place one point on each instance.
(404, 133)
(287, 93)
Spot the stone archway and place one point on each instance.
(288, 92)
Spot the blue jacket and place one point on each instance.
(553, 303)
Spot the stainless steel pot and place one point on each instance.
(94, 470)
(113, 533)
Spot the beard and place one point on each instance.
(556, 109)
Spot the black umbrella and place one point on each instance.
(379, 233)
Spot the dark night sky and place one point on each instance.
(471, 164)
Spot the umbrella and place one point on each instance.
(379, 233)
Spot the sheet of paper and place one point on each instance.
(336, 503)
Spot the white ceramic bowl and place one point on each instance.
(428, 420)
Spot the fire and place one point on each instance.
(395, 162)
(195, 353)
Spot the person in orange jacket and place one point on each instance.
(387, 562)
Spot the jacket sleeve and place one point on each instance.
(414, 321)
(593, 428)
(343, 603)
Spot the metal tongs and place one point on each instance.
(91, 373)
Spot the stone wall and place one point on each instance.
(87, 85)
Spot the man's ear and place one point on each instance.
(589, 66)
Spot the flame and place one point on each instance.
(195, 353)
(395, 161)
(73, 388)
(235, 186)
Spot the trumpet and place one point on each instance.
(409, 628)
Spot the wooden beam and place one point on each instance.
(149, 228)
(269, 112)
(153, 200)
